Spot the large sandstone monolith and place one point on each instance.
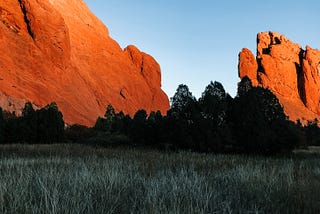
(54, 50)
(291, 73)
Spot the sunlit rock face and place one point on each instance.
(57, 50)
(290, 72)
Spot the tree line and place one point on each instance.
(45, 125)
(252, 122)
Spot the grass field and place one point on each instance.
(81, 179)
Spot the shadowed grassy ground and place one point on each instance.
(82, 179)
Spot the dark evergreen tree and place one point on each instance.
(126, 124)
(259, 122)
(12, 129)
(182, 101)
(138, 127)
(154, 135)
(182, 118)
(214, 89)
(244, 86)
(213, 125)
(28, 124)
(113, 123)
(105, 124)
(312, 132)
(101, 125)
(50, 124)
(119, 123)
(214, 104)
(110, 113)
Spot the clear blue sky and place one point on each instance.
(199, 41)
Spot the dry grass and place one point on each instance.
(79, 179)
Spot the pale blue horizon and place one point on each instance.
(196, 42)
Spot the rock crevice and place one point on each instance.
(25, 16)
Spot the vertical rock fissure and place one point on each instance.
(260, 66)
(142, 66)
(300, 78)
(26, 20)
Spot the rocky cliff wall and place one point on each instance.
(290, 72)
(54, 50)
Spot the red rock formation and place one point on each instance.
(55, 50)
(248, 66)
(311, 79)
(290, 72)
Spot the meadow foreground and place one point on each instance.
(82, 179)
